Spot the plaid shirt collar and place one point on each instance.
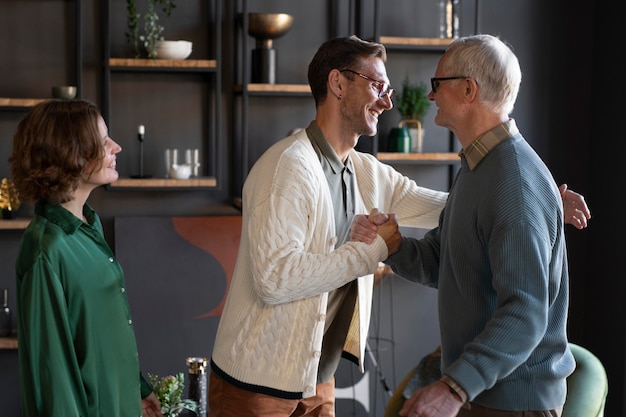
(478, 149)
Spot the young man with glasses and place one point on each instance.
(498, 257)
(301, 293)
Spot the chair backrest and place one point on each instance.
(427, 371)
(587, 386)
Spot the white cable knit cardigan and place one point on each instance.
(271, 329)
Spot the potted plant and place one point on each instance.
(169, 391)
(152, 30)
(413, 104)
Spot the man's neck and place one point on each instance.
(478, 126)
(341, 141)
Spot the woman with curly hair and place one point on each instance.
(78, 353)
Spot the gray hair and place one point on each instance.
(490, 62)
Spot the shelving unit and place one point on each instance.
(247, 90)
(19, 103)
(244, 90)
(23, 104)
(425, 44)
(14, 224)
(274, 89)
(139, 64)
(419, 158)
(8, 342)
(209, 69)
(163, 183)
(421, 45)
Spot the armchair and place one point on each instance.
(587, 386)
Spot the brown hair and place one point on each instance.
(51, 148)
(339, 53)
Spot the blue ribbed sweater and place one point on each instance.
(499, 261)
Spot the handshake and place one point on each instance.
(365, 228)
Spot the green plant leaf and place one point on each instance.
(412, 102)
(152, 30)
(169, 391)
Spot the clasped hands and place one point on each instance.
(365, 228)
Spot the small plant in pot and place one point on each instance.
(169, 390)
(413, 104)
(152, 30)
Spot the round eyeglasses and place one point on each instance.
(381, 87)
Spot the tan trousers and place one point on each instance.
(227, 400)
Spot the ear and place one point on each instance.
(471, 89)
(335, 83)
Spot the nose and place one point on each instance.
(387, 101)
(431, 95)
(115, 147)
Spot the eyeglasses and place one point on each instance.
(383, 88)
(434, 82)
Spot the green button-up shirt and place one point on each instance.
(77, 348)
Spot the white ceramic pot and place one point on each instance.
(180, 172)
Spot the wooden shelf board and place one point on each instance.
(276, 88)
(13, 224)
(20, 102)
(203, 182)
(396, 40)
(162, 63)
(419, 157)
(8, 342)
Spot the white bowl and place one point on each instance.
(173, 49)
(180, 172)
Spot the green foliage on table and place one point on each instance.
(169, 391)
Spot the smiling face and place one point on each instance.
(449, 97)
(361, 105)
(103, 171)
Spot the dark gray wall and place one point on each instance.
(569, 52)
